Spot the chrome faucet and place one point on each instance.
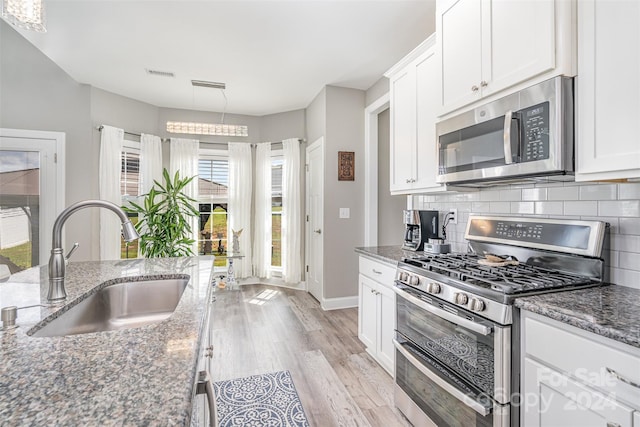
(57, 260)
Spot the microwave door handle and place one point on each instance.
(459, 395)
(508, 157)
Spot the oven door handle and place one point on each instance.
(460, 321)
(467, 400)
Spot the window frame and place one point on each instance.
(133, 147)
(276, 270)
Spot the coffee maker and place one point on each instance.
(420, 226)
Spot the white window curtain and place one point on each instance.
(111, 140)
(262, 240)
(291, 212)
(150, 161)
(184, 159)
(239, 205)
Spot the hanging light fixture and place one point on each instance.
(28, 14)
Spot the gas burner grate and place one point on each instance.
(508, 279)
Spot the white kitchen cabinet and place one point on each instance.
(608, 90)
(555, 400)
(377, 311)
(414, 90)
(487, 46)
(636, 419)
(571, 377)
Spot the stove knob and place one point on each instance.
(460, 298)
(414, 280)
(476, 304)
(403, 276)
(433, 288)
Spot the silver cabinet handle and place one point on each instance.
(460, 321)
(621, 378)
(318, 231)
(474, 88)
(610, 424)
(205, 386)
(408, 180)
(484, 83)
(455, 392)
(209, 352)
(508, 159)
(376, 271)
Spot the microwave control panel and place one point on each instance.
(535, 129)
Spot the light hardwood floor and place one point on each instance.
(259, 329)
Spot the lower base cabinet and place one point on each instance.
(377, 314)
(574, 378)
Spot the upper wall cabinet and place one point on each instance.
(487, 46)
(608, 90)
(414, 90)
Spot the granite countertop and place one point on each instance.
(138, 376)
(389, 254)
(612, 311)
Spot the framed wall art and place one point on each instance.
(346, 165)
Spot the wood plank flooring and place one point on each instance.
(259, 329)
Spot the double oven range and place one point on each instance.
(457, 332)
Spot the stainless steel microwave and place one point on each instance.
(524, 136)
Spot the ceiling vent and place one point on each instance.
(212, 85)
(160, 73)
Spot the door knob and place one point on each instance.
(318, 231)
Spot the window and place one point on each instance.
(130, 190)
(276, 208)
(213, 185)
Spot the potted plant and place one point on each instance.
(163, 220)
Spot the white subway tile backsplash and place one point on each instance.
(617, 204)
(562, 193)
(581, 208)
(625, 277)
(629, 226)
(510, 195)
(598, 192)
(625, 208)
(628, 191)
(625, 243)
(629, 260)
(523, 208)
(534, 194)
(500, 207)
(549, 208)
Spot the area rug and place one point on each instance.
(259, 400)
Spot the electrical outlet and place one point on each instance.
(453, 214)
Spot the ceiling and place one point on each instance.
(274, 56)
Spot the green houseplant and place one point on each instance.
(163, 219)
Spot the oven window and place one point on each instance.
(441, 407)
(469, 354)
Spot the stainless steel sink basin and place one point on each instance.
(119, 306)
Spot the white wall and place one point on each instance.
(617, 204)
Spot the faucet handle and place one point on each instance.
(73, 249)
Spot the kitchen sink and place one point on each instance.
(123, 305)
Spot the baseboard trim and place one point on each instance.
(339, 303)
(274, 281)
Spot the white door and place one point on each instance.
(315, 218)
(31, 195)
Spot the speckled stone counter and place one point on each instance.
(611, 311)
(133, 377)
(388, 254)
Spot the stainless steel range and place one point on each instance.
(457, 335)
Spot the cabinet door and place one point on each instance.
(403, 129)
(387, 324)
(608, 90)
(518, 41)
(461, 52)
(367, 312)
(636, 419)
(427, 84)
(551, 399)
